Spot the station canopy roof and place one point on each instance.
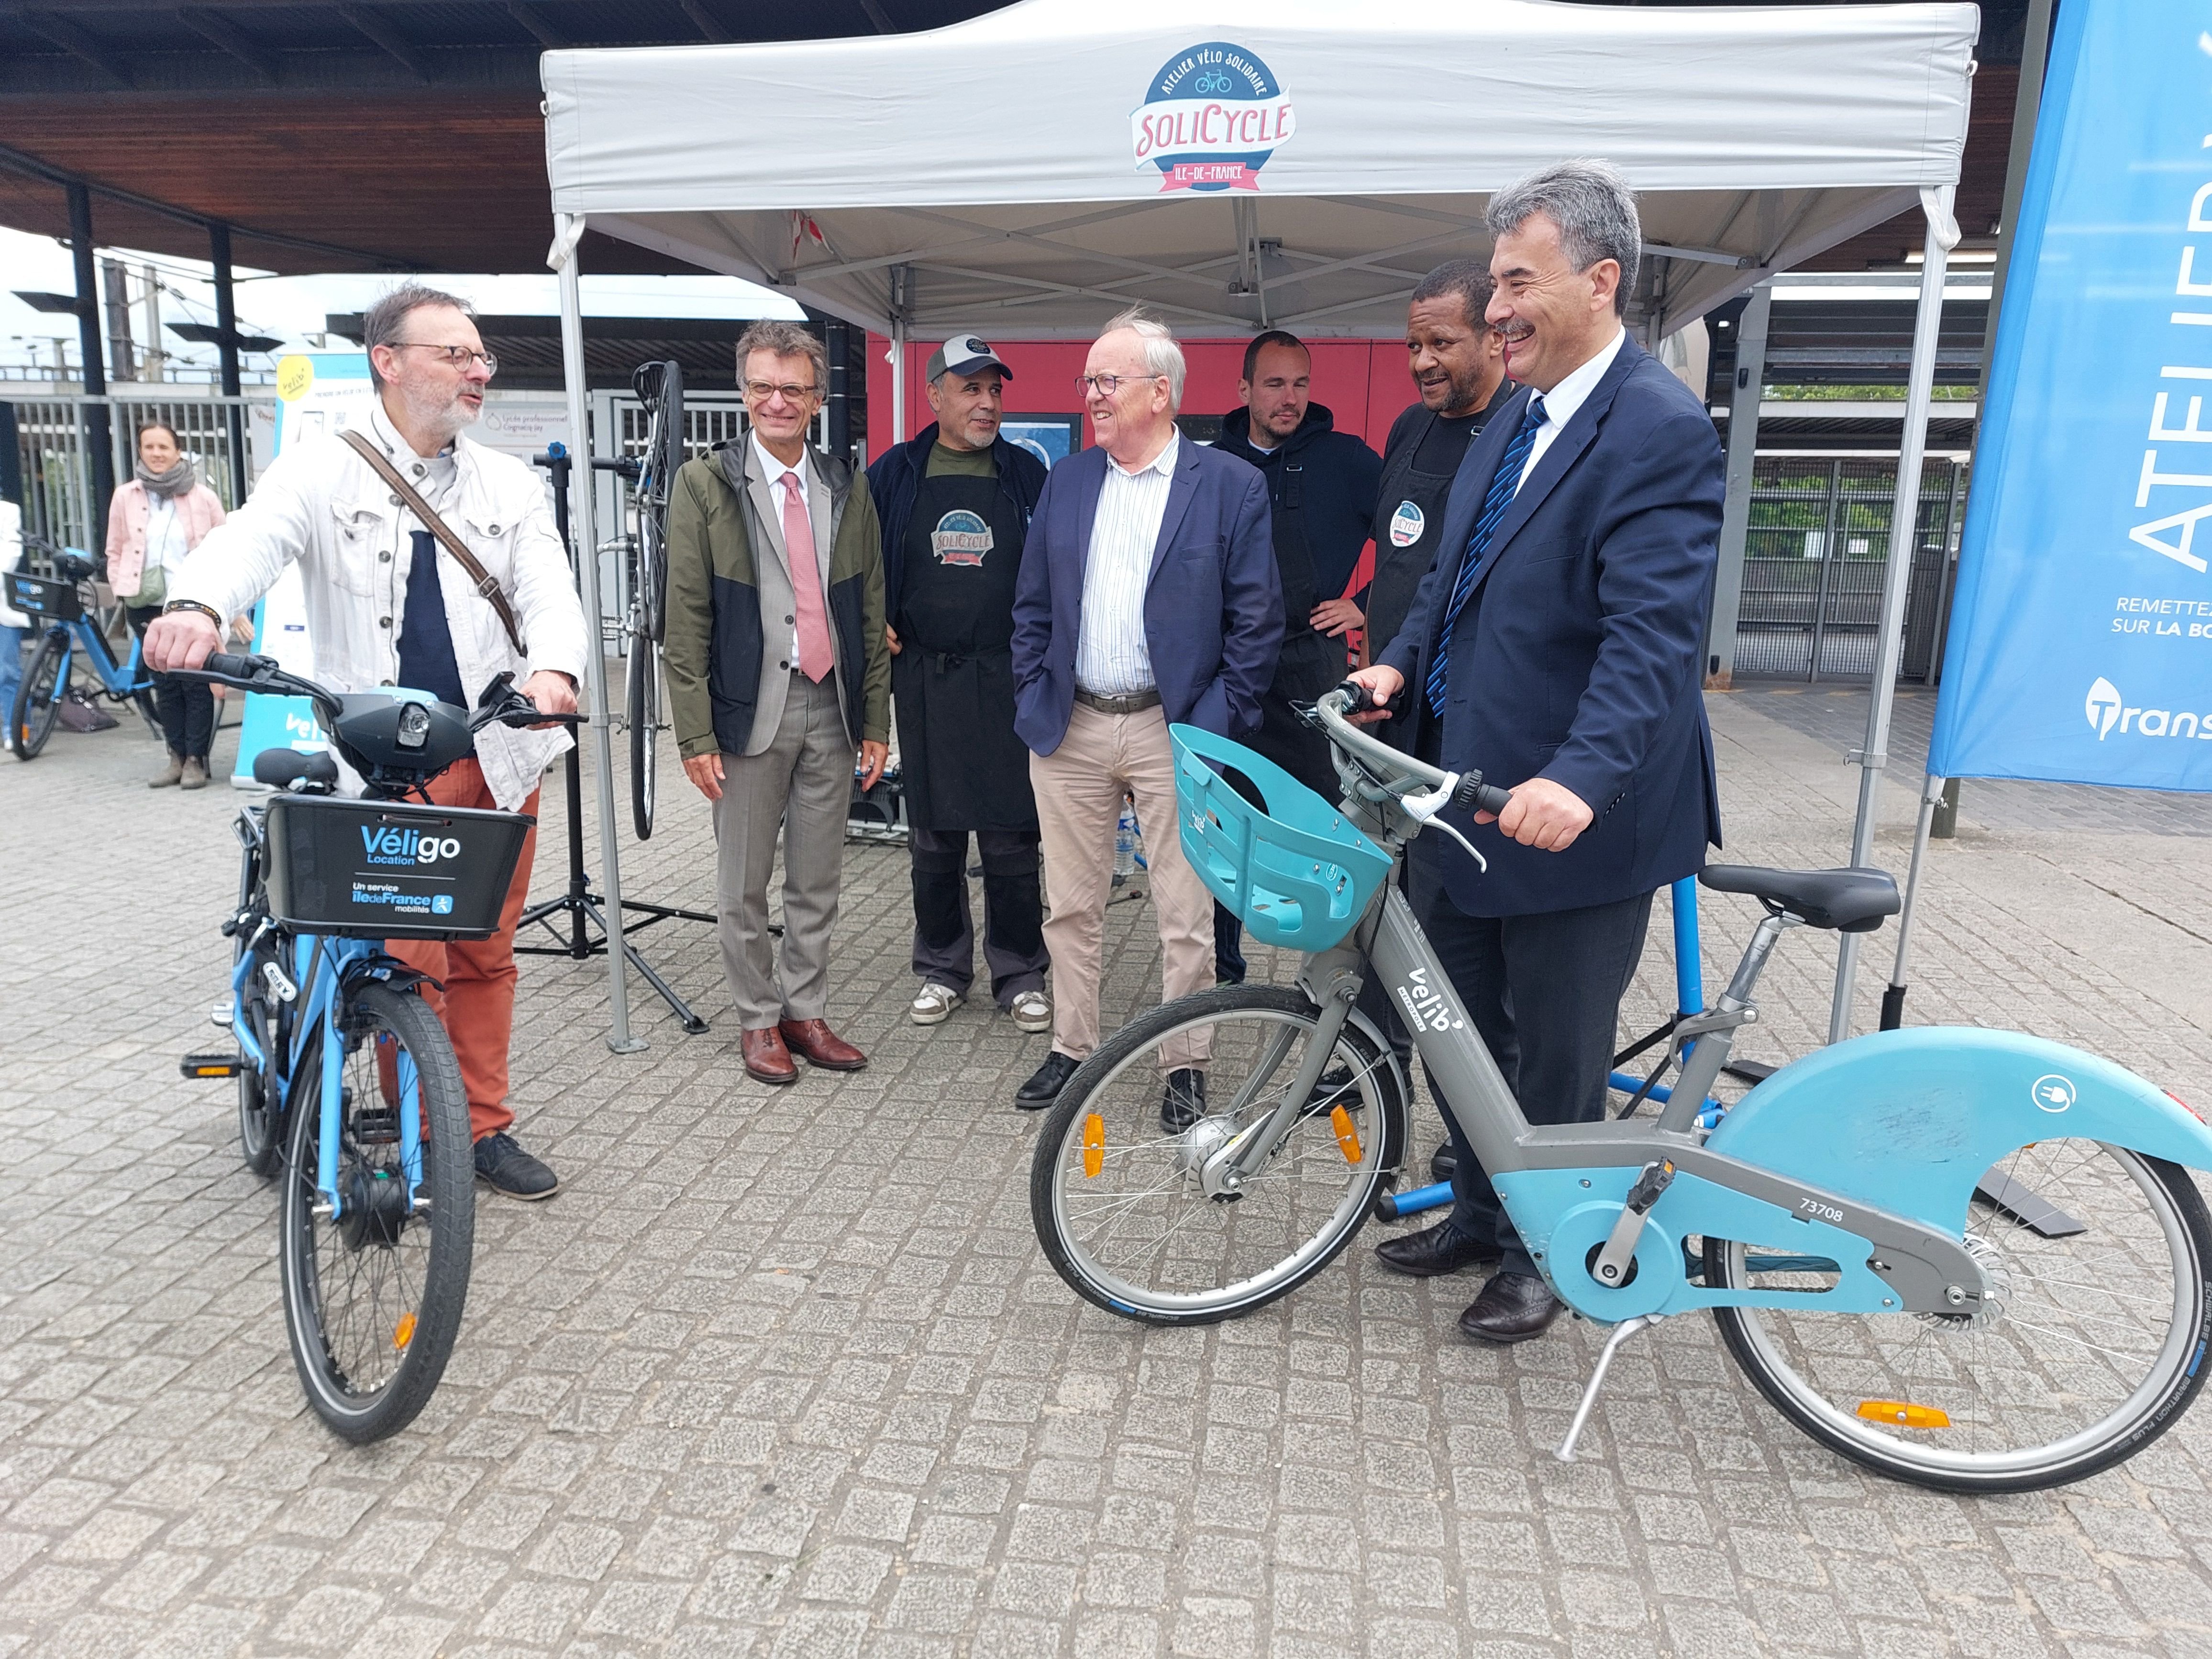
(1031, 170)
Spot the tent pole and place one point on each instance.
(1742, 460)
(1892, 998)
(898, 379)
(569, 231)
(1904, 532)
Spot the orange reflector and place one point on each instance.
(1904, 1415)
(1094, 1145)
(405, 1333)
(1347, 1137)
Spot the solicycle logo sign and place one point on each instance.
(1211, 117)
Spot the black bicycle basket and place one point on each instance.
(42, 596)
(370, 869)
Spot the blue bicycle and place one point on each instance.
(349, 1090)
(71, 634)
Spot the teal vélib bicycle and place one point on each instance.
(1838, 1222)
(348, 1092)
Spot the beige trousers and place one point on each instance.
(1078, 796)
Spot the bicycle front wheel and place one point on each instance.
(260, 1105)
(644, 703)
(38, 701)
(2089, 1356)
(373, 1295)
(1117, 1197)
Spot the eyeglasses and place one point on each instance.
(1108, 385)
(760, 391)
(457, 356)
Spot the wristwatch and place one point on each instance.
(207, 611)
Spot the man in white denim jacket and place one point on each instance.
(387, 606)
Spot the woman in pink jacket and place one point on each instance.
(156, 521)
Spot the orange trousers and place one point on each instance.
(478, 1003)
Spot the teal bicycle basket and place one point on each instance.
(1298, 874)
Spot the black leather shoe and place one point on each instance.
(1442, 1248)
(1183, 1103)
(1046, 1082)
(506, 1169)
(1512, 1308)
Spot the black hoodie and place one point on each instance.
(1319, 481)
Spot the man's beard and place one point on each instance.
(445, 416)
(1464, 390)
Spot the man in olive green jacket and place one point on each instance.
(777, 670)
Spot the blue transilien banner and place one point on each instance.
(2080, 641)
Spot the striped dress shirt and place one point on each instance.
(1111, 657)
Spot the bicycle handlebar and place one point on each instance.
(1471, 792)
(503, 704)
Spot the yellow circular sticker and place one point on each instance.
(295, 375)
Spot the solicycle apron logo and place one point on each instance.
(1211, 118)
(961, 538)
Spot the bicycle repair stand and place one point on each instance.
(579, 905)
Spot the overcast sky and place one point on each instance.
(292, 307)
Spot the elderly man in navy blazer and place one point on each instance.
(1555, 648)
(1147, 597)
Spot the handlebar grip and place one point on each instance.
(1473, 795)
(232, 666)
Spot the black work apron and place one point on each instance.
(1409, 515)
(1311, 662)
(953, 679)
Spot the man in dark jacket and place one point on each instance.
(778, 670)
(956, 504)
(1321, 497)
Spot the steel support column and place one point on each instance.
(1735, 516)
(99, 438)
(226, 322)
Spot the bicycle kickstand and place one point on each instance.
(1621, 1333)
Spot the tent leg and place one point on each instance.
(568, 232)
(898, 379)
(1892, 998)
(1903, 530)
(1735, 516)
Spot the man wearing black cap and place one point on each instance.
(956, 504)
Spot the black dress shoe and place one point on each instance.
(1442, 1248)
(1183, 1103)
(1046, 1082)
(1512, 1308)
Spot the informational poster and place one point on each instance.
(2080, 643)
(1051, 438)
(323, 392)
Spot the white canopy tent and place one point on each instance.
(1028, 173)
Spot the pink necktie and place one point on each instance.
(815, 658)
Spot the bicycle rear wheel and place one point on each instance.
(2090, 1355)
(1116, 1198)
(643, 700)
(373, 1296)
(38, 701)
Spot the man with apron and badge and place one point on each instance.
(955, 504)
(1321, 496)
(1458, 363)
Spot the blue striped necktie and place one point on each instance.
(1503, 485)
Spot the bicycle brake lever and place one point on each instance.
(1427, 804)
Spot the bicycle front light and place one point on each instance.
(414, 726)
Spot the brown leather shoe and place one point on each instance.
(766, 1057)
(1512, 1308)
(820, 1046)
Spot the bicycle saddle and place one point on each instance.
(1852, 901)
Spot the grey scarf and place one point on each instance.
(178, 481)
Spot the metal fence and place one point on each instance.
(1815, 554)
(54, 449)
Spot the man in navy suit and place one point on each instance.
(1147, 597)
(1554, 648)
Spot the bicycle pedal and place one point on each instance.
(380, 1128)
(207, 1066)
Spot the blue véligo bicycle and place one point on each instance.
(347, 1088)
(1872, 1225)
(70, 634)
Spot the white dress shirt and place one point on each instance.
(773, 471)
(1563, 400)
(1111, 657)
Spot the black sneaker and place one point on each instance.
(1183, 1103)
(1046, 1082)
(505, 1168)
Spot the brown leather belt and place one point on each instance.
(1135, 703)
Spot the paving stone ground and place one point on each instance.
(785, 1374)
